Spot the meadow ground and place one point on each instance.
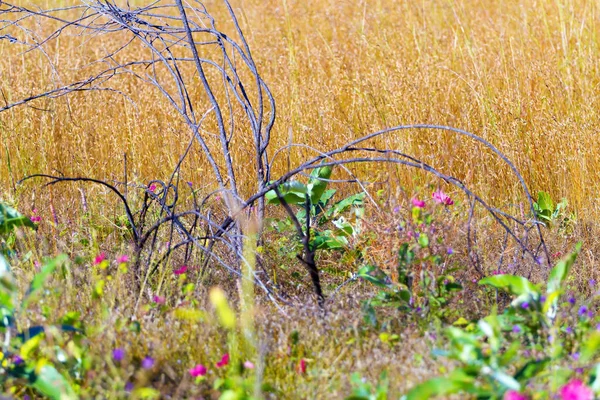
(524, 75)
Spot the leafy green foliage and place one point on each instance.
(11, 218)
(524, 347)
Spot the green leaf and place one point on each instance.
(531, 369)
(458, 381)
(293, 192)
(423, 240)
(342, 205)
(318, 182)
(544, 202)
(374, 275)
(561, 270)
(49, 382)
(506, 380)
(39, 280)
(516, 285)
(11, 218)
(590, 347)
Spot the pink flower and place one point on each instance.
(442, 198)
(224, 360)
(122, 259)
(417, 203)
(302, 366)
(152, 187)
(576, 390)
(99, 258)
(158, 299)
(248, 365)
(514, 395)
(181, 270)
(198, 370)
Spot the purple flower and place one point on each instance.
(147, 363)
(449, 251)
(248, 365)
(189, 184)
(572, 300)
(396, 210)
(516, 329)
(569, 329)
(592, 282)
(525, 305)
(590, 314)
(582, 311)
(542, 299)
(118, 354)
(128, 387)
(575, 356)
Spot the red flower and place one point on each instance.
(302, 366)
(224, 360)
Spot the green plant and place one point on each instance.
(314, 209)
(363, 390)
(19, 356)
(535, 345)
(425, 283)
(548, 213)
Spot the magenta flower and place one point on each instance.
(198, 370)
(158, 299)
(417, 203)
(181, 270)
(35, 217)
(442, 198)
(224, 360)
(99, 258)
(514, 395)
(152, 187)
(122, 259)
(576, 390)
(248, 365)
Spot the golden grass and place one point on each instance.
(522, 74)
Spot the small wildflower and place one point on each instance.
(189, 184)
(569, 329)
(557, 254)
(576, 390)
(396, 210)
(572, 300)
(198, 370)
(539, 260)
(248, 365)
(514, 395)
(181, 270)
(122, 259)
(418, 203)
(152, 188)
(542, 299)
(474, 281)
(575, 356)
(128, 387)
(582, 311)
(449, 251)
(525, 305)
(147, 363)
(516, 329)
(99, 258)
(118, 354)
(224, 361)
(592, 282)
(158, 299)
(590, 314)
(17, 359)
(442, 198)
(302, 366)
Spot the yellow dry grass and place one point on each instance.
(522, 74)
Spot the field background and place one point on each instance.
(523, 74)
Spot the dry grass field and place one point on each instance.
(522, 74)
